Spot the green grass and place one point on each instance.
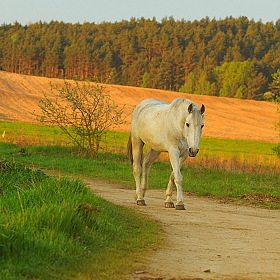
(116, 141)
(115, 168)
(29, 129)
(58, 229)
(45, 234)
(230, 146)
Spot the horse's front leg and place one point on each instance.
(169, 191)
(176, 178)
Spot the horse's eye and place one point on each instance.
(202, 126)
(187, 124)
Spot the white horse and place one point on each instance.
(174, 128)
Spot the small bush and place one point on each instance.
(276, 150)
(83, 111)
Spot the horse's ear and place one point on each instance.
(190, 109)
(202, 109)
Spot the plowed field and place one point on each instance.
(224, 117)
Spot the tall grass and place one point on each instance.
(26, 134)
(57, 229)
(235, 162)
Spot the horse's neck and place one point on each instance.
(177, 117)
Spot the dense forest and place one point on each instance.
(232, 57)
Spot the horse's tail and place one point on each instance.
(129, 149)
(130, 152)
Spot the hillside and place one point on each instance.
(224, 117)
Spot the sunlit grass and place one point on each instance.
(228, 154)
(227, 168)
(57, 229)
(115, 168)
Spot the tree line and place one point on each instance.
(232, 57)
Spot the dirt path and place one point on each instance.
(209, 240)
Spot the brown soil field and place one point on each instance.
(224, 117)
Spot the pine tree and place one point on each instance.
(146, 80)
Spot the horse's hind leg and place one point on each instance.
(147, 163)
(137, 151)
(168, 194)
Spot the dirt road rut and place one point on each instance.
(209, 240)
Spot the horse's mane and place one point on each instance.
(179, 109)
(178, 101)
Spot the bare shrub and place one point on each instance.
(83, 111)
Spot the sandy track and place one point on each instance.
(224, 117)
(209, 240)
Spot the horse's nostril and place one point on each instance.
(193, 151)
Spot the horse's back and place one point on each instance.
(148, 123)
(150, 104)
(148, 111)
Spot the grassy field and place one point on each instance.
(223, 168)
(57, 229)
(228, 154)
(259, 188)
(115, 140)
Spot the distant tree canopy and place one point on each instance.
(233, 57)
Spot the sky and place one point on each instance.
(31, 11)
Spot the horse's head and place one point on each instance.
(193, 128)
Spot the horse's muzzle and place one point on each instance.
(193, 152)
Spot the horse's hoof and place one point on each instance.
(169, 205)
(141, 202)
(180, 207)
